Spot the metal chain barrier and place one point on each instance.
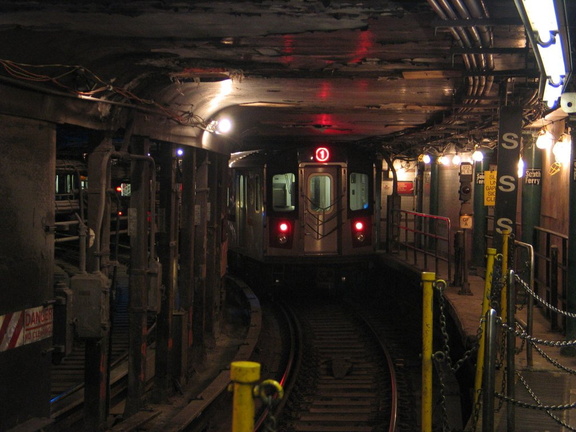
(443, 358)
(270, 392)
(519, 332)
(440, 286)
(541, 300)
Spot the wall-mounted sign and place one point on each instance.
(490, 178)
(533, 177)
(406, 188)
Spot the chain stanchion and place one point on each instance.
(491, 253)
(427, 346)
(244, 376)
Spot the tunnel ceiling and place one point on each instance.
(401, 76)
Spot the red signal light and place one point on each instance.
(359, 225)
(281, 233)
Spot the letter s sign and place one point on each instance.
(510, 141)
(507, 183)
(503, 225)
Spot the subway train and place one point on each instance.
(311, 213)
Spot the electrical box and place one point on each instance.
(91, 304)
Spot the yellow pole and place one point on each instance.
(244, 376)
(485, 306)
(504, 293)
(427, 324)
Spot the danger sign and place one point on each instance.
(25, 327)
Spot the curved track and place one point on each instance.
(346, 381)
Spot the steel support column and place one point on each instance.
(168, 254)
(138, 304)
(96, 373)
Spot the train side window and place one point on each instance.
(283, 187)
(320, 192)
(358, 191)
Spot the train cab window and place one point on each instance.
(283, 197)
(320, 192)
(358, 191)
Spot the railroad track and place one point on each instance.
(346, 380)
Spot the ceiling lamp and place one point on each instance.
(477, 156)
(562, 150)
(546, 29)
(545, 139)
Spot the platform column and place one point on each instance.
(571, 295)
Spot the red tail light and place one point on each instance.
(361, 232)
(281, 233)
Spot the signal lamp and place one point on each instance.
(358, 232)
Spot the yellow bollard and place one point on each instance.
(244, 376)
(504, 292)
(427, 346)
(491, 253)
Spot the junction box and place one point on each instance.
(91, 304)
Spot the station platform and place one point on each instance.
(540, 381)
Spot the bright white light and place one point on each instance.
(224, 126)
(179, 152)
(562, 150)
(426, 158)
(477, 156)
(520, 167)
(443, 160)
(542, 16)
(545, 140)
(551, 94)
(456, 159)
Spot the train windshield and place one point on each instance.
(358, 191)
(283, 188)
(320, 192)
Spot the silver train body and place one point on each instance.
(316, 207)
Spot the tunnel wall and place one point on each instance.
(27, 168)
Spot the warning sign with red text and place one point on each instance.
(25, 327)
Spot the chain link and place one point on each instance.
(522, 334)
(541, 300)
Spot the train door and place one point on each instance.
(321, 208)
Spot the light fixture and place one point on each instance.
(224, 126)
(425, 158)
(545, 25)
(444, 160)
(456, 159)
(545, 139)
(477, 156)
(520, 167)
(562, 149)
(218, 127)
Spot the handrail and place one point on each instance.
(422, 236)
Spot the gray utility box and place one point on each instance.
(91, 304)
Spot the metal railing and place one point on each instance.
(550, 270)
(423, 239)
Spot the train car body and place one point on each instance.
(314, 207)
